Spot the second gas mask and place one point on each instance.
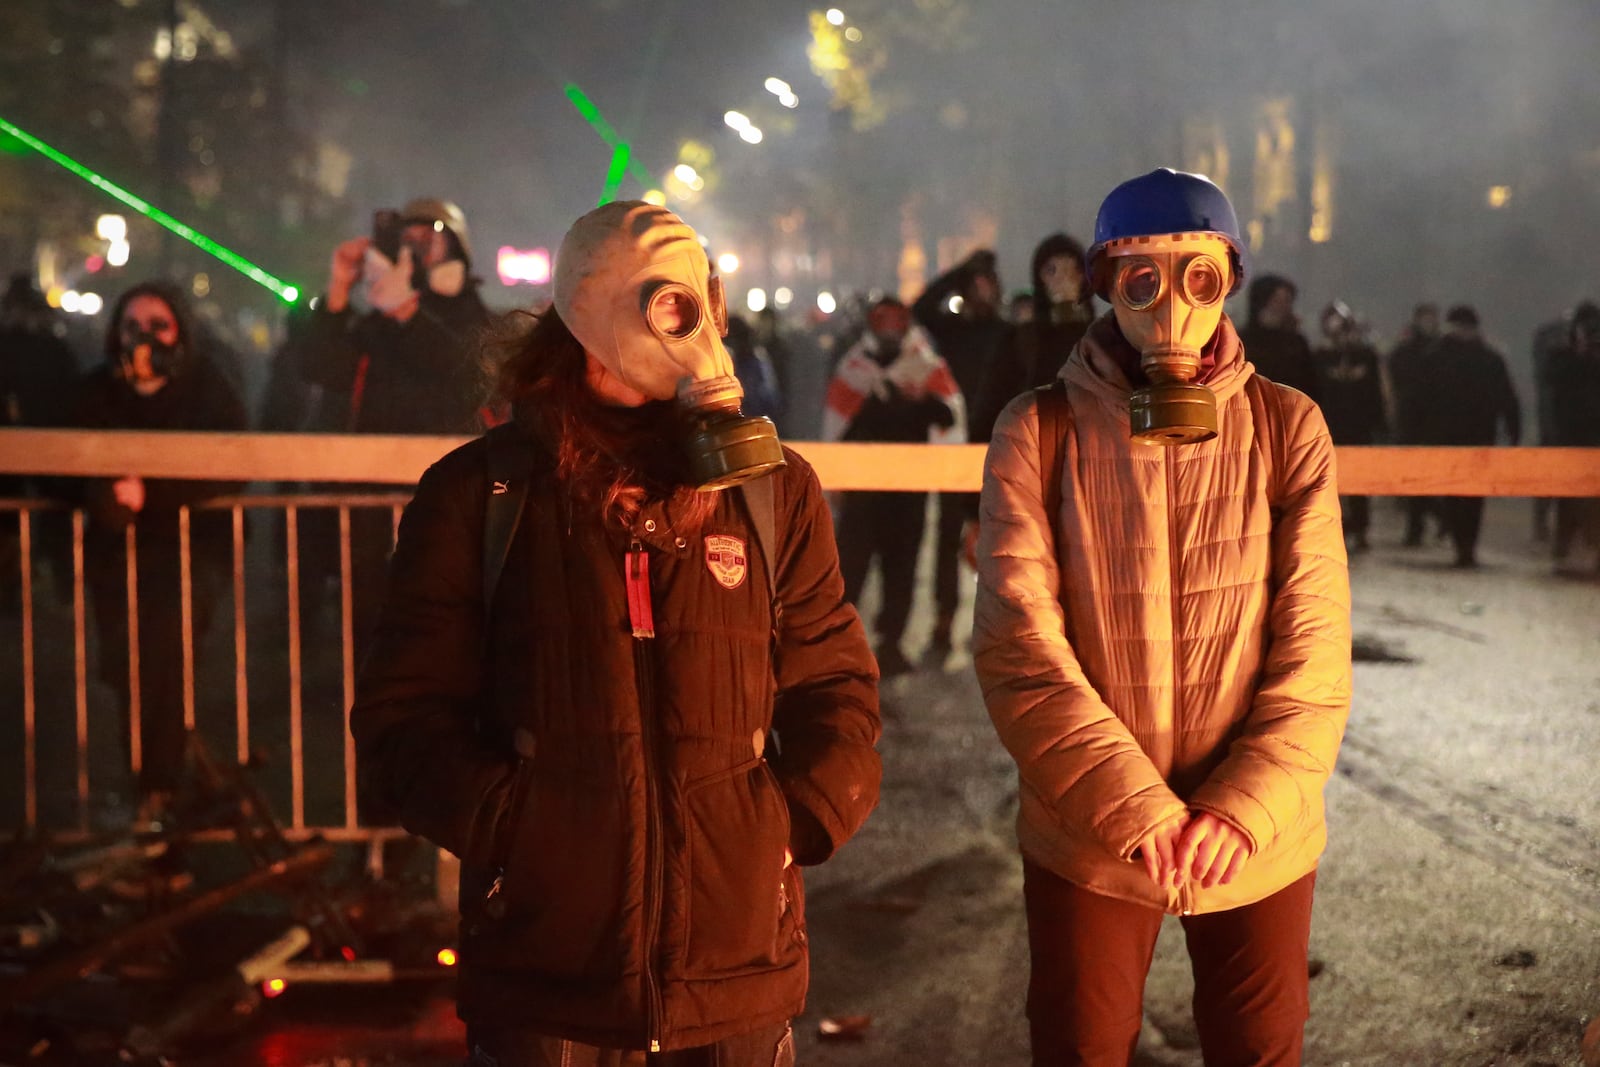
(144, 357)
(633, 285)
(1167, 291)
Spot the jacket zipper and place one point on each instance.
(494, 902)
(637, 573)
(1172, 599)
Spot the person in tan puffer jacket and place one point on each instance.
(1162, 635)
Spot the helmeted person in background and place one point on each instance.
(407, 364)
(1408, 386)
(155, 377)
(1470, 398)
(1162, 635)
(890, 386)
(968, 338)
(589, 732)
(1271, 334)
(1574, 380)
(1350, 390)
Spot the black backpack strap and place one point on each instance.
(760, 502)
(510, 468)
(1055, 418)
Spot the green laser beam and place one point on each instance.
(283, 289)
(591, 114)
(616, 172)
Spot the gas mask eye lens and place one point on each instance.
(672, 312)
(1202, 281)
(1139, 284)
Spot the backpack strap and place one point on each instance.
(760, 502)
(1266, 411)
(510, 468)
(1055, 419)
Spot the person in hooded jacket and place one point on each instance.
(155, 377)
(636, 736)
(1271, 334)
(1406, 364)
(1032, 353)
(1162, 636)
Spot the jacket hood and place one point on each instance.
(1096, 362)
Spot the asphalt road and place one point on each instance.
(1458, 906)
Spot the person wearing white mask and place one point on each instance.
(405, 361)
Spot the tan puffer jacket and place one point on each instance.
(1173, 645)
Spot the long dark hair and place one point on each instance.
(610, 458)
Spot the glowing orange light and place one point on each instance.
(273, 987)
(447, 957)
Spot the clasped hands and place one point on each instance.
(1196, 846)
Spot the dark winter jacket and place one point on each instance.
(639, 839)
(969, 345)
(1574, 380)
(200, 399)
(383, 376)
(1350, 392)
(1031, 355)
(1407, 370)
(1283, 355)
(1470, 395)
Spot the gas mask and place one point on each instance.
(633, 285)
(144, 358)
(1167, 292)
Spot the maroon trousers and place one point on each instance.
(1091, 953)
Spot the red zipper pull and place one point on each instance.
(637, 573)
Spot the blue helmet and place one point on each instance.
(1165, 201)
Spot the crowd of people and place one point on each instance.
(736, 712)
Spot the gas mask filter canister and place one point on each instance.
(633, 285)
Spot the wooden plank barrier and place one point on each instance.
(400, 461)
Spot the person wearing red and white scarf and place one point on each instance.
(890, 386)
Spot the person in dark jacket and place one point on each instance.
(1410, 392)
(754, 370)
(629, 739)
(408, 364)
(1471, 398)
(890, 386)
(1550, 342)
(968, 336)
(1350, 388)
(155, 377)
(1272, 337)
(38, 380)
(1033, 352)
(1574, 384)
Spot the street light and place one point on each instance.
(778, 87)
(756, 299)
(727, 263)
(750, 135)
(111, 228)
(736, 120)
(835, 16)
(826, 303)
